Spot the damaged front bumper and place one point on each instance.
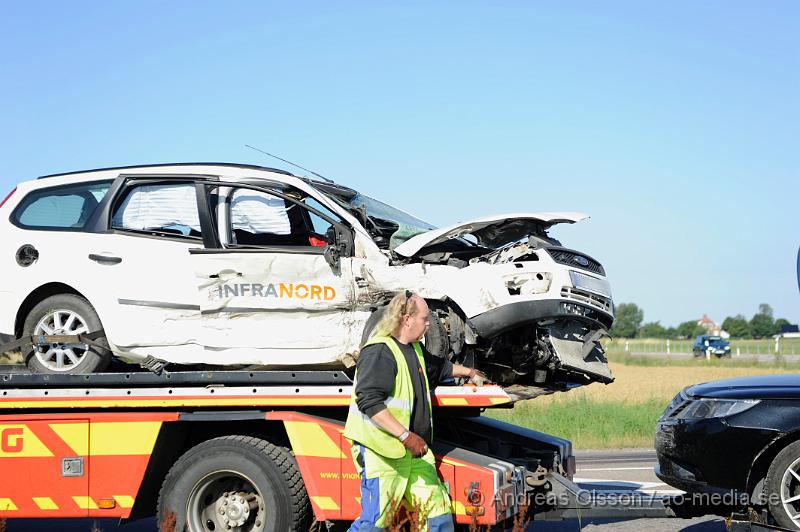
(513, 315)
(537, 339)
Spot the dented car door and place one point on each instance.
(276, 287)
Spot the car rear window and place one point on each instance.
(64, 207)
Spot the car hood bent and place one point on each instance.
(490, 231)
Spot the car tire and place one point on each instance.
(65, 314)
(238, 471)
(782, 485)
(436, 339)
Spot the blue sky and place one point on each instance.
(674, 125)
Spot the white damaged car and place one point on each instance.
(237, 265)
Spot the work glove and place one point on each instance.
(415, 444)
(478, 378)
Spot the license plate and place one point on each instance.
(590, 284)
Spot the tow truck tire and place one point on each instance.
(74, 314)
(234, 482)
(782, 483)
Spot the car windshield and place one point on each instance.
(378, 209)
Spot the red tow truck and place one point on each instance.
(245, 450)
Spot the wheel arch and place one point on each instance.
(758, 472)
(38, 295)
(177, 438)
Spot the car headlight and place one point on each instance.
(709, 408)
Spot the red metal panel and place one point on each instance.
(31, 483)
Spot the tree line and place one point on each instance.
(629, 318)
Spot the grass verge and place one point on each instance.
(624, 413)
(589, 424)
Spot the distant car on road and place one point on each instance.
(737, 439)
(714, 345)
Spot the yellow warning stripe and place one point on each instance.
(309, 439)
(212, 401)
(125, 501)
(458, 508)
(499, 400)
(45, 503)
(110, 438)
(85, 503)
(19, 441)
(324, 503)
(453, 401)
(7, 505)
(117, 438)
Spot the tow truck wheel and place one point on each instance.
(65, 314)
(782, 487)
(235, 483)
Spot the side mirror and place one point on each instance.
(331, 254)
(340, 244)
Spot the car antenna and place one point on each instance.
(289, 162)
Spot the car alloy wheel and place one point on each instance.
(790, 492)
(61, 356)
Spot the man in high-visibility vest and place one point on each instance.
(390, 420)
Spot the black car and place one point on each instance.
(735, 443)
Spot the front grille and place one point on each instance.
(597, 301)
(678, 405)
(569, 258)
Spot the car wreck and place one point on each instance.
(238, 265)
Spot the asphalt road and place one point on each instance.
(630, 470)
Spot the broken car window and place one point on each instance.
(261, 219)
(169, 209)
(259, 212)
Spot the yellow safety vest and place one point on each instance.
(361, 428)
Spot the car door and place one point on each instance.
(276, 284)
(143, 263)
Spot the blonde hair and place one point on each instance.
(392, 318)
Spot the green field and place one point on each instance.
(624, 413)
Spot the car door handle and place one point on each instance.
(104, 259)
(225, 274)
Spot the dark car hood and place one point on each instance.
(785, 386)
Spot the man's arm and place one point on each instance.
(475, 376)
(375, 378)
(385, 420)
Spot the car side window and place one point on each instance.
(64, 207)
(160, 210)
(258, 218)
(321, 227)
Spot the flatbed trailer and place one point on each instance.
(259, 450)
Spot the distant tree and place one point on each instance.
(690, 329)
(654, 329)
(627, 319)
(671, 332)
(780, 322)
(762, 324)
(737, 326)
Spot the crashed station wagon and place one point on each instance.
(237, 266)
